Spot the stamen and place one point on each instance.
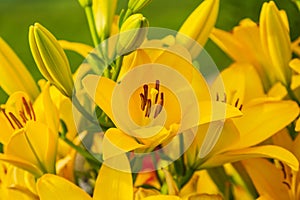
(287, 184)
(145, 92)
(217, 97)
(27, 108)
(17, 122)
(32, 110)
(225, 98)
(241, 106)
(157, 88)
(3, 110)
(143, 102)
(22, 115)
(236, 103)
(148, 108)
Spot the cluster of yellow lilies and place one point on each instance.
(243, 128)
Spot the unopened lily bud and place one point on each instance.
(136, 5)
(276, 42)
(199, 24)
(104, 12)
(51, 59)
(132, 34)
(85, 3)
(13, 74)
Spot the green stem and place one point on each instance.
(292, 95)
(90, 17)
(185, 179)
(238, 166)
(78, 106)
(118, 66)
(222, 180)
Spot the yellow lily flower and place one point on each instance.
(156, 102)
(198, 25)
(19, 110)
(251, 43)
(276, 180)
(13, 74)
(262, 118)
(24, 145)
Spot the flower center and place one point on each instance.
(152, 98)
(19, 119)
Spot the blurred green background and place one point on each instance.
(66, 20)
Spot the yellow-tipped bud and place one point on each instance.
(13, 74)
(51, 59)
(276, 42)
(199, 24)
(136, 5)
(104, 11)
(132, 34)
(85, 3)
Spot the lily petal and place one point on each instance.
(80, 48)
(242, 83)
(278, 114)
(162, 197)
(21, 163)
(13, 74)
(268, 179)
(34, 147)
(229, 44)
(94, 85)
(51, 187)
(132, 60)
(268, 151)
(114, 184)
(116, 142)
(200, 23)
(295, 65)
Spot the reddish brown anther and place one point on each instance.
(15, 120)
(27, 108)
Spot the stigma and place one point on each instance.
(152, 98)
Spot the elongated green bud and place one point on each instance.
(136, 5)
(132, 34)
(50, 58)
